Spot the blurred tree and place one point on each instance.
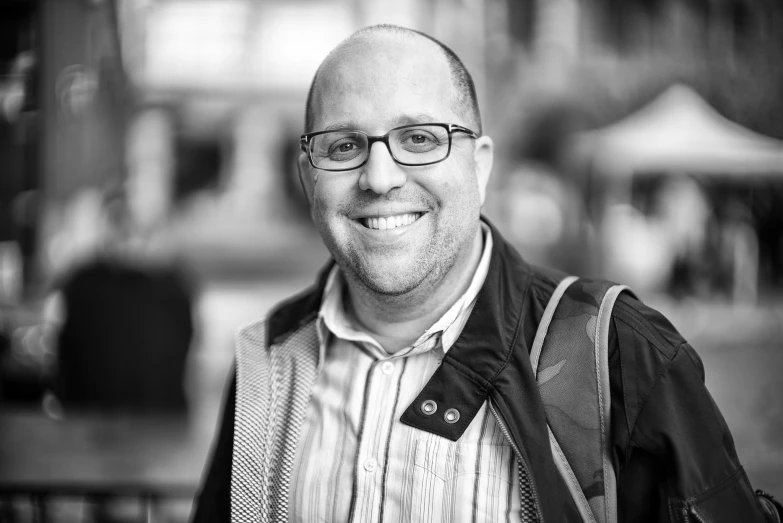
(630, 50)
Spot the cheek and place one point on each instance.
(320, 199)
(329, 196)
(456, 189)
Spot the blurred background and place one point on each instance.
(149, 206)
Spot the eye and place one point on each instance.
(343, 149)
(343, 146)
(420, 140)
(419, 137)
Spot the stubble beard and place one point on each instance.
(406, 278)
(406, 281)
(376, 274)
(403, 281)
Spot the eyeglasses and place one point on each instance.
(417, 144)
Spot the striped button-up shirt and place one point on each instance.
(356, 461)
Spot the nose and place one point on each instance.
(381, 173)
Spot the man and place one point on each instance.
(400, 387)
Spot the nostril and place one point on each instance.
(382, 180)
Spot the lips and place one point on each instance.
(390, 221)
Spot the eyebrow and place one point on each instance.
(397, 122)
(341, 126)
(417, 118)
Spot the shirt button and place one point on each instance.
(370, 465)
(387, 367)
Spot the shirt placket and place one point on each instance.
(376, 424)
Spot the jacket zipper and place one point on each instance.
(521, 460)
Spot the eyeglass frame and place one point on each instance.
(304, 142)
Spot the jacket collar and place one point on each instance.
(493, 330)
(497, 324)
(302, 308)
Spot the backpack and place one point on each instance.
(570, 358)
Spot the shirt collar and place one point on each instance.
(503, 321)
(334, 321)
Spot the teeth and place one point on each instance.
(391, 222)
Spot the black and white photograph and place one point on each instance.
(373, 261)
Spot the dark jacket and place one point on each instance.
(124, 344)
(676, 456)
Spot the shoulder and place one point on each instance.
(252, 333)
(647, 326)
(542, 284)
(645, 345)
(629, 312)
(544, 280)
(650, 360)
(283, 320)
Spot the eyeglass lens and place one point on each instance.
(417, 145)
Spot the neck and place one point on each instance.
(398, 321)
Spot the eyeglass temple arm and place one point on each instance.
(459, 128)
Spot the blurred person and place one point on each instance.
(125, 323)
(426, 309)
(739, 253)
(120, 315)
(637, 249)
(548, 218)
(684, 213)
(766, 210)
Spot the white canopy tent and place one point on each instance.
(679, 131)
(676, 134)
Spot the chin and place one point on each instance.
(389, 278)
(388, 286)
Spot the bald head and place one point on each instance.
(462, 90)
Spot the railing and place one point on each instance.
(98, 459)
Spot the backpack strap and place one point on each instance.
(570, 358)
(546, 319)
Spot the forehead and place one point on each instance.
(382, 81)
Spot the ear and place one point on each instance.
(484, 157)
(306, 177)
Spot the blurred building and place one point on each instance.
(198, 103)
(190, 106)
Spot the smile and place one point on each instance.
(384, 223)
